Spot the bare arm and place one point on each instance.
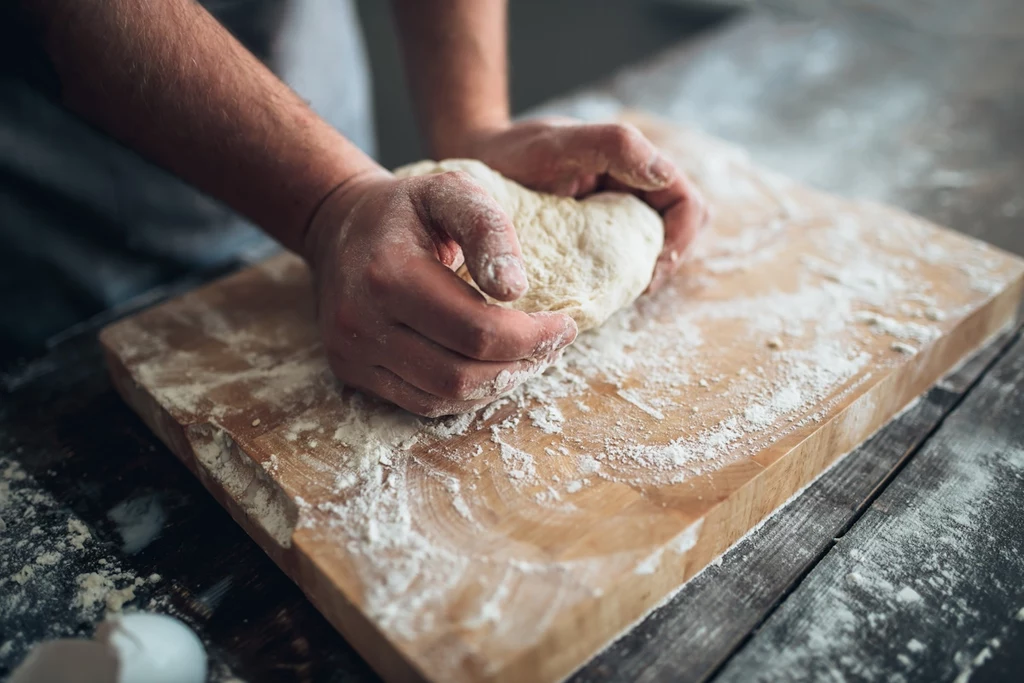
(168, 80)
(455, 57)
(455, 60)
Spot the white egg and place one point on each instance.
(154, 648)
(130, 648)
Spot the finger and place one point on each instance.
(433, 301)
(574, 184)
(460, 207)
(621, 151)
(383, 383)
(684, 222)
(684, 212)
(443, 373)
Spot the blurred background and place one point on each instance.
(554, 47)
(912, 102)
(557, 47)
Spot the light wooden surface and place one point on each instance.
(919, 119)
(925, 562)
(514, 546)
(733, 596)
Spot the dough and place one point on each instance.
(586, 258)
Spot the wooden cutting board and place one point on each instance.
(512, 544)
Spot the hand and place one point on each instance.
(566, 157)
(395, 319)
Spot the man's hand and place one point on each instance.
(566, 157)
(455, 56)
(396, 320)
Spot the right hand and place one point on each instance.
(397, 321)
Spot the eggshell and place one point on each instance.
(154, 648)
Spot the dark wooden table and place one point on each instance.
(904, 562)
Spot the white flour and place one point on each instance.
(678, 386)
(34, 565)
(817, 338)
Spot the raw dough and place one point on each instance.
(587, 258)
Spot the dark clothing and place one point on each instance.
(85, 223)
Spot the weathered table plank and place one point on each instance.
(926, 585)
(799, 96)
(698, 629)
(78, 453)
(907, 134)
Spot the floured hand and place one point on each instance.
(395, 319)
(570, 158)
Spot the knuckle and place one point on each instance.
(484, 221)
(460, 384)
(343, 323)
(620, 138)
(378, 275)
(453, 179)
(481, 339)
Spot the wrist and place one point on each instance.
(333, 209)
(462, 140)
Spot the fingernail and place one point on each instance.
(673, 256)
(564, 337)
(509, 274)
(660, 170)
(568, 334)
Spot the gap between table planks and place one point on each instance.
(925, 585)
(619, 529)
(748, 582)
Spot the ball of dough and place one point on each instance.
(586, 258)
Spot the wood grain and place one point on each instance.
(918, 588)
(503, 585)
(738, 591)
(960, 169)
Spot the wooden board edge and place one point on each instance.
(349, 620)
(558, 657)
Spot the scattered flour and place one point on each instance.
(100, 589)
(34, 561)
(139, 521)
(910, 331)
(547, 418)
(908, 594)
(642, 402)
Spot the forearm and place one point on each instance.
(455, 59)
(167, 80)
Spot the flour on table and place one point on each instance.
(34, 562)
(680, 385)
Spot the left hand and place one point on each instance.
(570, 158)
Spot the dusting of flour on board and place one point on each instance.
(790, 305)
